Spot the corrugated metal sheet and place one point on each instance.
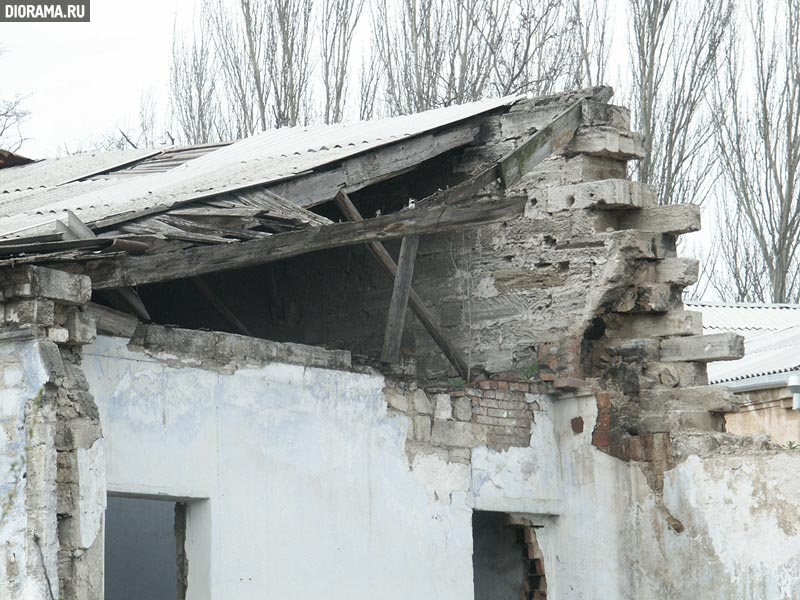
(748, 320)
(264, 158)
(769, 354)
(21, 210)
(57, 171)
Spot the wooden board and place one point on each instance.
(138, 270)
(399, 303)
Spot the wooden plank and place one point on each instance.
(217, 302)
(399, 303)
(113, 322)
(136, 270)
(310, 188)
(703, 348)
(379, 165)
(509, 169)
(424, 315)
(75, 229)
(542, 144)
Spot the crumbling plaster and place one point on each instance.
(320, 485)
(27, 474)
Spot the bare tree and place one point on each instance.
(532, 48)
(290, 69)
(193, 91)
(12, 116)
(758, 143)
(244, 50)
(339, 19)
(369, 82)
(247, 70)
(674, 48)
(592, 41)
(441, 52)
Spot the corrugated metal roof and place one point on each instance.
(769, 354)
(747, 319)
(56, 171)
(265, 158)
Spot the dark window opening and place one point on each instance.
(144, 549)
(507, 562)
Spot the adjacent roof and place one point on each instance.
(772, 341)
(769, 354)
(747, 319)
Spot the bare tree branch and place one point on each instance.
(674, 48)
(12, 116)
(758, 144)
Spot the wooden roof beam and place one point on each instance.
(122, 271)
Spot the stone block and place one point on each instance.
(703, 348)
(33, 311)
(596, 114)
(678, 271)
(577, 169)
(81, 327)
(706, 398)
(458, 433)
(421, 402)
(51, 360)
(59, 335)
(607, 142)
(462, 409)
(606, 194)
(634, 350)
(674, 219)
(31, 281)
(648, 298)
(675, 323)
(461, 456)
(422, 428)
(443, 406)
(396, 399)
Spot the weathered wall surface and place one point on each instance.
(54, 484)
(27, 473)
(740, 511)
(317, 482)
(766, 412)
(306, 477)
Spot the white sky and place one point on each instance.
(82, 79)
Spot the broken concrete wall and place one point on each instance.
(283, 455)
(54, 464)
(28, 529)
(304, 473)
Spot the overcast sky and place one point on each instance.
(82, 79)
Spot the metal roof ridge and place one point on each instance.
(767, 305)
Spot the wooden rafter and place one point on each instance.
(399, 303)
(424, 315)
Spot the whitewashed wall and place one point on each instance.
(28, 540)
(302, 489)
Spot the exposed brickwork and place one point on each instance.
(497, 413)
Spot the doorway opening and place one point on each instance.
(144, 549)
(507, 563)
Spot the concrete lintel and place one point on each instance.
(214, 349)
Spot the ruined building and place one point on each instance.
(436, 356)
